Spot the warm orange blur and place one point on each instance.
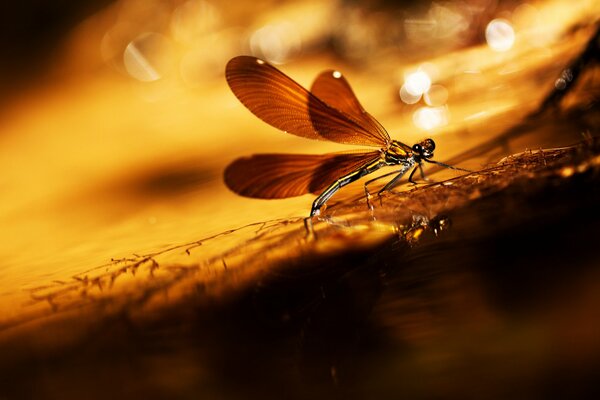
(120, 148)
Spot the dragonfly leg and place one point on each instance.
(341, 182)
(370, 181)
(420, 167)
(391, 184)
(423, 176)
(410, 177)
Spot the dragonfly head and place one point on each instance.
(424, 149)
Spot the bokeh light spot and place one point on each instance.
(429, 118)
(408, 98)
(437, 95)
(277, 43)
(417, 83)
(147, 57)
(500, 35)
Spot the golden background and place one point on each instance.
(117, 123)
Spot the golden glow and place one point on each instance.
(414, 234)
(567, 172)
(430, 118)
(194, 19)
(277, 43)
(475, 116)
(437, 95)
(500, 35)
(417, 83)
(144, 57)
(443, 22)
(407, 97)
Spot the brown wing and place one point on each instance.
(279, 101)
(331, 87)
(277, 176)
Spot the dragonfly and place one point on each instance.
(329, 111)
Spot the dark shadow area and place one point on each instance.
(167, 180)
(31, 31)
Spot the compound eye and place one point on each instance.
(417, 148)
(431, 144)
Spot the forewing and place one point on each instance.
(281, 102)
(332, 88)
(276, 176)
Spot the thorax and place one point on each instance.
(398, 153)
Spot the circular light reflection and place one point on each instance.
(276, 43)
(417, 83)
(500, 35)
(407, 97)
(429, 118)
(560, 84)
(437, 95)
(145, 57)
